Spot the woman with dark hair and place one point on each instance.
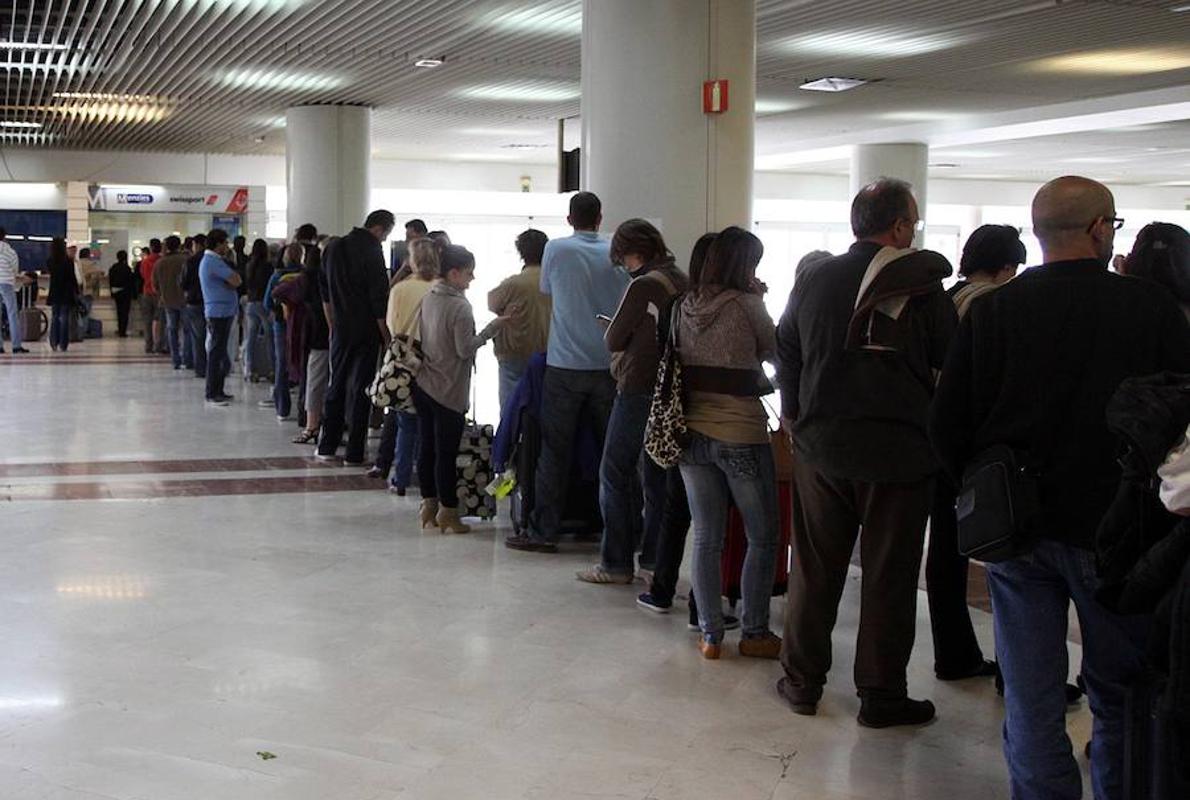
(675, 519)
(631, 338)
(442, 392)
(1161, 253)
(257, 272)
(991, 257)
(725, 334)
(64, 294)
(520, 298)
(122, 286)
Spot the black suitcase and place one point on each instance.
(581, 516)
(1148, 744)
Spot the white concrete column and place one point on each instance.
(78, 214)
(908, 161)
(328, 156)
(648, 149)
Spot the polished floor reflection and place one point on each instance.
(183, 590)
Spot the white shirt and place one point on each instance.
(9, 264)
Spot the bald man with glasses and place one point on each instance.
(1032, 368)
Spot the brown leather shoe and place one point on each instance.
(709, 650)
(767, 646)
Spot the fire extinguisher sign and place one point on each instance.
(714, 97)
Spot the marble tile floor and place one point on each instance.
(155, 646)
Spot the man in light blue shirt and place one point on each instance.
(578, 274)
(221, 303)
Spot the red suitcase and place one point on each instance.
(735, 546)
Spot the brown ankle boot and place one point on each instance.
(429, 514)
(448, 520)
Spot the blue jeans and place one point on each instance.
(8, 298)
(511, 370)
(173, 325)
(619, 482)
(281, 399)
(196, 336)
(256, 325)
(218, 363)
(407, 443)
(1031, 596)
(60, 326)
(716, 473)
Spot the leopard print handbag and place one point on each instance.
(666, 435)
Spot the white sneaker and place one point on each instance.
(265, 404)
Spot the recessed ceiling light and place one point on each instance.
(872, 43)
(134, 98)
(12, 123)
(567, 21)
(6, 45)
(428, 63)
(526, 92)
(276, 79)
(832, 84)
(775, 105)
(1119, 61)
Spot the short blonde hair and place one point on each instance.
(295, 254)
(423, 259)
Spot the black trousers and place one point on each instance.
(441, 432)
(218, 364)
(353, 365)
(671, 540)
(388, 442)
(123, 307)
(956, 650)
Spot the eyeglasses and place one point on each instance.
(1115, 222)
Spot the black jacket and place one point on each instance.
(358, 284)
(860, 414)
(191, 284)
(1033, 367)
(64, 284)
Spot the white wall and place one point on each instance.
(33, 196)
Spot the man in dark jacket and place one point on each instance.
(195, 347)
(357, 286)
(1033, 367)
(859, 345)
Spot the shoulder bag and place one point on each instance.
(666, 434)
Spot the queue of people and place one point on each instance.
(891, 387)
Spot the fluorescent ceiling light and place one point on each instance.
(872, 43)
(567, 21)
(923, 115)
(428, 63)
(822, 155)
(37, 66)
(276, 79)
(12, 123)
(32, 46)
(775, 105)
(832, 84)
(515, 133)
(112, 112)
(1119, 61)
(944, 165)
(132, 98)
(527, 92)
(1181, 9)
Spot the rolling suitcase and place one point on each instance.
(33, 320)
(735, 546)
(581, 516)
(474, 472)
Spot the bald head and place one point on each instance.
(1072, 218)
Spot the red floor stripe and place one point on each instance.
(151, 467)
(149, 490)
